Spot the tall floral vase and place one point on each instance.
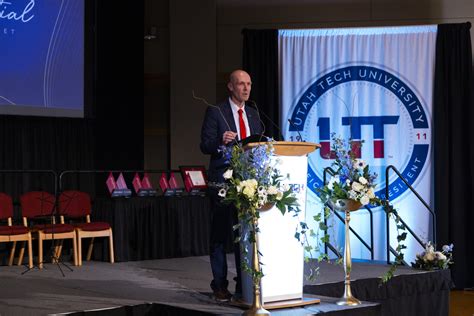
(257, 307)
(347, 206)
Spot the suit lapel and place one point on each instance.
(227, 110)
(250, 118)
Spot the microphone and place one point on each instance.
(220, 111)
(269, 119)
(293, 125)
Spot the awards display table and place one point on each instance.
(159, 227)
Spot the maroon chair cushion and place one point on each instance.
(6, 206)
(94, 226)
(74, 204)
(37, 204)
(54, 228)
(13, 230)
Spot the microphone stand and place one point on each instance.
(268, 118)
(220, 112)
(260, 119)
(53, 250)
(294, 126)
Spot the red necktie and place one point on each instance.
(243, 130)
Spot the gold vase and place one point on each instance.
(347, 206)
(257, 307)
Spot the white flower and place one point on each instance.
(364, 200)
(222, 193)
(249, 192)
(359, 164)
(228, 174)
(272, 190)
(248, 187)
(429, 256)
(334, 179)
(370, 193)
(429, 247)
(362, 180)
(252, 183)
(261, 190)
(239, 187)
(279, 196)
(285, 187)
(356, 186)
(447, 248)
(352, 194)
(440, 256)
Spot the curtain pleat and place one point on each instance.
(454, 149)
(33, 143)
(260, 60)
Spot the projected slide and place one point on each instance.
(42, 57)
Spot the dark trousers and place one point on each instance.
(223, 218)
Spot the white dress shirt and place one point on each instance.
(235, 113)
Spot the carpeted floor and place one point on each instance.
(181, 282)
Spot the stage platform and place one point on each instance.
(181, 287)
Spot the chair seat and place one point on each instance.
(94, 226)
(13, 230)
(54, 228)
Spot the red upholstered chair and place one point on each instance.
(14, 233)
(76, 205)
(40, 204)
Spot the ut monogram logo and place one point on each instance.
(318, 110)
(355, 124)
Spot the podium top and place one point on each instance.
(283, 148)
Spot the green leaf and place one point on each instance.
(402, 237)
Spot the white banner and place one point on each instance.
(375, 84)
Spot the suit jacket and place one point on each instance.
(217, 120)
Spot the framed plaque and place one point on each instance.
(194, 176)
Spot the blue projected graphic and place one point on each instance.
(42, 57)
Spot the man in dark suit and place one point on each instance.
(225, 124)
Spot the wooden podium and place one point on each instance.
(282, 255)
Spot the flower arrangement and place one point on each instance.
(352, 179)
(430, 259)
(253, 183)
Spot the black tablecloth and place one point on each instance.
(154, 227)
(423, 293)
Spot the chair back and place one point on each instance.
(74, 203)
(6, 206)
(37, 204)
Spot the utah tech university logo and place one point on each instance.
(370, 104)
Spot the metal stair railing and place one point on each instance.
(387, 199)
(328, 244)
